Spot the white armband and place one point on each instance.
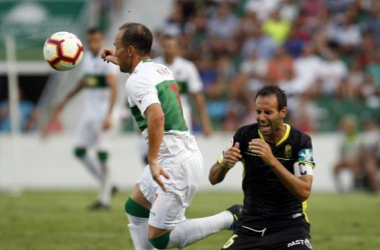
(301, 168)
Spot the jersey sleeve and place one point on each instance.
(194, 83)
(143, 94)
(305, 153)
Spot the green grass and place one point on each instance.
(59, 220)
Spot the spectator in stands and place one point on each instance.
(276, 27)
(255, 67)
(260, 42)
(351, 86)
(279, 65)
(223, 23)
(372, 24)
(307, 69)
(262, 7)
(349, 151)
(289, 10)
(347, 34)
(246, 26)
(332, 72)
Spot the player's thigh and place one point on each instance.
(168, 209)
(292, 238)
(147, 185)
(242, 241)
(101, 137)
(84, 133)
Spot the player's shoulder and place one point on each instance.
(149, 71)
(298, 135)
(184, 62)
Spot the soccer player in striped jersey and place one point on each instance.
(169, 182)
(99, 84)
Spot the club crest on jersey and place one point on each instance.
(306, 155)
(288, 151)
(91, 81)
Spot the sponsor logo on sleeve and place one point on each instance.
(306, 155)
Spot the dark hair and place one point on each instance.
(274, 90)
(94, 30)
(138, 36)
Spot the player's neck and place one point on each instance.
(277, 135)
(169, 59)
(137, 61)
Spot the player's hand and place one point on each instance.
(207, 130)
(108, 55)
(231, 156)
(157, 170)
(107, 122)
(260, 147)
(58, 110)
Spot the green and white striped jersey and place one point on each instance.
(154, 83)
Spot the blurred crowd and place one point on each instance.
(322, 53)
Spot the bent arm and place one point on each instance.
(299, 186)
(217, 173)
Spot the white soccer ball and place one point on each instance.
(63, 51)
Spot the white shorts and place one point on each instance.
(90, 133)
(168, 209)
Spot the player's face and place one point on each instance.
(123, 54)
(270, 120)
(95, 42)
(170, 47)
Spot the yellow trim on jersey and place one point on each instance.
(286, 135)
(285, 159)
(304, 207)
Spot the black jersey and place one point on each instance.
(267, 202)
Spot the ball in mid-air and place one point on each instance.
(63, 51)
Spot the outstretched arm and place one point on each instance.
(68, 97)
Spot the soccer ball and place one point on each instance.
(63, 51)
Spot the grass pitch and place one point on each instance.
(59, 220)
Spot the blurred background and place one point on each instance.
(323, 53)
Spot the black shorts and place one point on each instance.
(290, 237)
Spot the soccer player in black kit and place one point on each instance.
(278, 174)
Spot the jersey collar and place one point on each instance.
(140, 63)
(286, 135)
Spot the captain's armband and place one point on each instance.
(302, 168)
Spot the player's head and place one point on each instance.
(95, 39)
(133, 41)
(271, 109)
(170, 46)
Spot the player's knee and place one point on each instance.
(160, 242)
(80, 152)
(103, 156)
(135, 209)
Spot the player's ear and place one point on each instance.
(283, 112)
(131, 50)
